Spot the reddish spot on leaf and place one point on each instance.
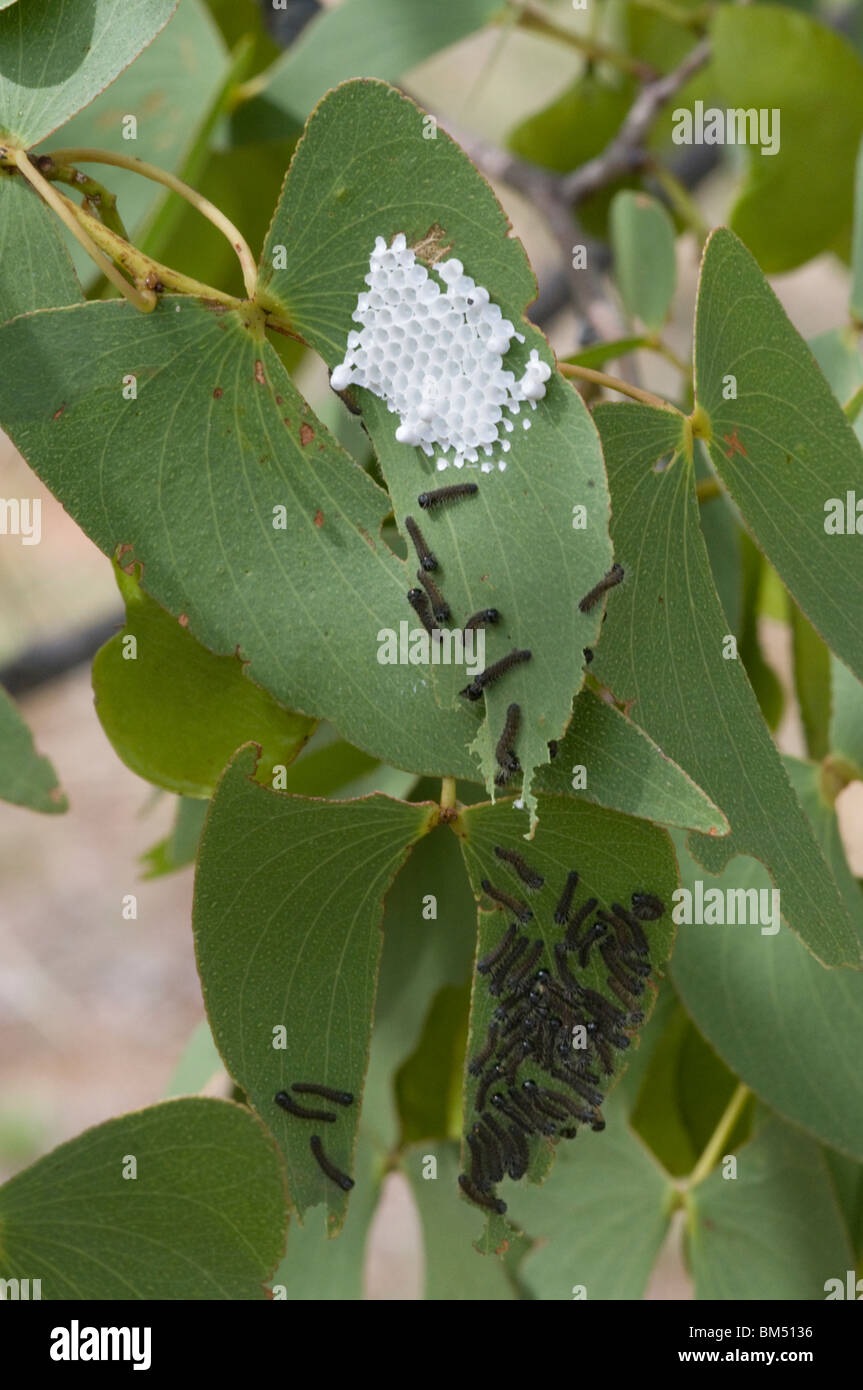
(287, 420)
(278, 400)
(59, 411)
(366, 537)
(259, 372)
(307, 434)
(183, 620)
(319, 518)
(217, 394)
(734, 446)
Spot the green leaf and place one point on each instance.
(599, 1221)
(429, 933)
(663, 655)
(857, 240)
(174, 712)
(846, 725)
(364, 148)
(36, 271)
(57, 55)
(600, 353)
(25, 778)
(180, 846)
(645, 269)
(783, 447)
(626, 771)
(763, 679)
(317, 1269)
(574, 128)
(615, 856)
(428, 1084)
(202, 1217)
(839, 358)
(199, 1063)
(195, 478)
(288, 904)
(797, 201)
(174, 82)
(773, 1231)
(811, 683)
(370, 38)
(847, 1178)
(453, 1271)
(788, 1028)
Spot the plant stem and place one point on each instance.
(614, 383)
(719, 1138)
(447, 796)
(656, 344)
(97, 198)
(213, 214)
(143, 267)
(72, 217)
(537, 22)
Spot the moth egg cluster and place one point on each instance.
(434, 352)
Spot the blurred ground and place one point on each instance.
(94, 1010)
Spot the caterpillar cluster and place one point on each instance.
(534, 1026)
(303, 1112)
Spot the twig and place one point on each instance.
(626, 152)
(613, 383)
(533, 19)
(97, 198)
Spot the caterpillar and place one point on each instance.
(333, 1173)
(312, 1088)
(424, 554)
(532, 880)
(300, 1111)
(521, 910)
(608, 581)
(439, 606)
(474, 690)
(446, 494)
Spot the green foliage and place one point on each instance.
(337, 807)
(199, 1179)
(645, 270)
(46, 82)
(174, 712)
(25, 778)
(797, 201)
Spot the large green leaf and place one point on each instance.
(645, 269)
(788, 1028)
(25, 778)
(599, 1221)
(57, 55)
(663, 656)
(195, 477)
(615, 857)
(774, 1230)
(288, 904)
(797, 201)
(370, 38)
(317, 1269)
(174, 712)
(625, 771)
(35, 269)
(429, 931)
(453, 1271)
(362, 170)
(184, 1200)
(846, 725)
(782, 445)
(168, 90)
(857, 244)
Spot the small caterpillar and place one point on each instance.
(481, 1199)
(507, 759)
(288, 1103)
(485, 965)
(420, 604)
(529, 877)
(474, 690)
(608, 581)
(481, 619)
(572, 941)
(424, 554)
(312, 1088)
(521, 910)
(564, 905)
(647, 907)
(439, 605)
(333, 1173)
(446, 494)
